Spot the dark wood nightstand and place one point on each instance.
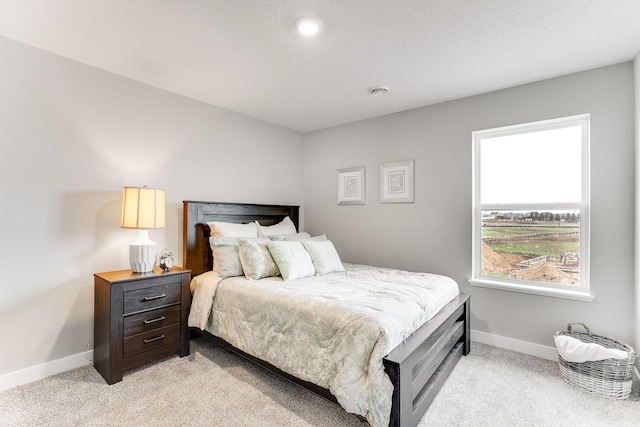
(139, 317)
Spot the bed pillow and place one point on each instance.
(292, 259)
(256, 259)
(230, 229)
(298, 237)
(324, 256)
(285, 226)
(226, 258)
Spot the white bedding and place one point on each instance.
(331, 330)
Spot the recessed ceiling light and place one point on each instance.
(308, 26)
(378, 90)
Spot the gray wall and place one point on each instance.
(71, 136)
(636, 69)
(434, 233)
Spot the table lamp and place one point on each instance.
(142, 208)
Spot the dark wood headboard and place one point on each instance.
(196, 252)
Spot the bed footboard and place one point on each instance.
(420, 365)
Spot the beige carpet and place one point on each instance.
(212, 387)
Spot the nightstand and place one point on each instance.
(139, 317)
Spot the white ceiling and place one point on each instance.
(243, 55)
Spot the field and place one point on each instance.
(505, 231)
(532, 240)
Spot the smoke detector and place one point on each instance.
(378, 90)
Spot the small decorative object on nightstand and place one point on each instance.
(166, 260)
(139, 318)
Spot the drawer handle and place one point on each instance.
(154, 339)
(155, 297)
(159, 319)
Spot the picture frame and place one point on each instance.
(396, 182)
(351, 186)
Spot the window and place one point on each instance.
(531, 208)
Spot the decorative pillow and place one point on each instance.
(298, 237)
(324, 256)
(285, 226)
(292, 259)
(230, 229)
(226, 258)
(256, 259)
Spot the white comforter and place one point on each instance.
(331, 330)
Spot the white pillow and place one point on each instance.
(324, 256)
(285, 226)
(293, 260)
(226, 259)
(230, 229)
(256, 259)
(298, 237)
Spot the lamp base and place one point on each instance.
(142, 253)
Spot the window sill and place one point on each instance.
(533, 289)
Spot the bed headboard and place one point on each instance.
(196, 254)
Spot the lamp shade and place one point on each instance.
(142, 208)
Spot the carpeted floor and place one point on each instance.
(212, 387)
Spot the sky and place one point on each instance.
(533, 167)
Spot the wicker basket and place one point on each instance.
(610, 378)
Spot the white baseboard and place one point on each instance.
(525, 347)
(44, 370)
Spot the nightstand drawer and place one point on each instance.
(150, 320)
(147, 298)
(150, 340)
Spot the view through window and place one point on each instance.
(532, 245)
(531, 204)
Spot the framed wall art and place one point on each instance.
(396, 182)
(351, 188)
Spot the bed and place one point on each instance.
(416, 368)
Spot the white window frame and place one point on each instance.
(582, 292)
